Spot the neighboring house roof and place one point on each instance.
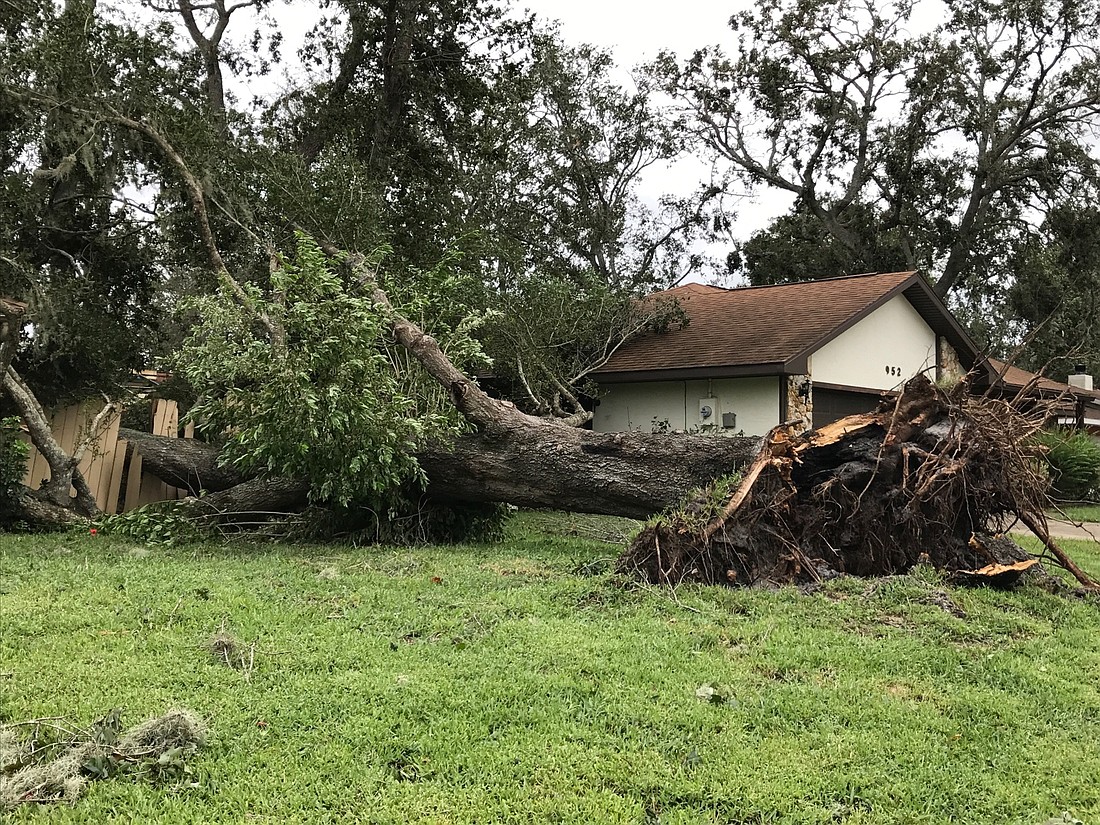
(1016, 379)
(771, 329)
(1074, 404)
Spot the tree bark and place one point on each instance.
(257, 495)
(37, 510)
(624, 474)
(182, 462)
(64, 473)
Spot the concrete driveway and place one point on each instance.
(1059, 529)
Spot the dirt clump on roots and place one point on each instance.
(934, 476)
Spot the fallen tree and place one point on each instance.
(497, 452)
(935, 476)
(867, 496)
(529, 463)
(931, 477)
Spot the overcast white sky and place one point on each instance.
(635, 35)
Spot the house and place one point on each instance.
(1078, 403)
(751, 358)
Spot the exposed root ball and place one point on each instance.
(932, 476)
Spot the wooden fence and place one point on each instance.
(111, 466)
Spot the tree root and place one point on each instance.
(933, 477)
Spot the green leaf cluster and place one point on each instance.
(71, 245)
(332, 399)
(13, 465)
(1073, 459)
(162, 523)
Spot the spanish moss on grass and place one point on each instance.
(523, 682)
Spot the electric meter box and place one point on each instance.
(708, 410)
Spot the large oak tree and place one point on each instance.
(940, 150)
(470, 155)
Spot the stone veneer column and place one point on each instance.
(798, 408)
(948, 365)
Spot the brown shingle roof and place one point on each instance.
(1017, 379)
(690, 289)
(756, 327)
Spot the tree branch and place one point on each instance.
(198, 206)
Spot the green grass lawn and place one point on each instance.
(1078, 512)
(524, 683)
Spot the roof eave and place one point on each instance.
(690, 373)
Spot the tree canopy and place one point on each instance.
(943, 150)
(156, 216)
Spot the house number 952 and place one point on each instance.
(893, 370)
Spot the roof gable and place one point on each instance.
(773, 329)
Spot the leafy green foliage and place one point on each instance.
(550, 333)
(530, 170)
(1056, 292)
(71, 245)
(796, 247)
(13, 466)
(425, 127)
(162, 523)
(1073, 458)
(333, 400)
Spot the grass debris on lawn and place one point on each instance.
(524, 682)
(50, 760)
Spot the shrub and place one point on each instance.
(408, 521)
(1073, 459)
(13, 465)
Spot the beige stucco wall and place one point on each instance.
(635, 406)
(882, 351)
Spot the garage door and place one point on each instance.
(829, 405)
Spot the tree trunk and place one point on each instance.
(182, 462)
(64, 472)
(257, 495)
(625, 474)
(35, 509)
